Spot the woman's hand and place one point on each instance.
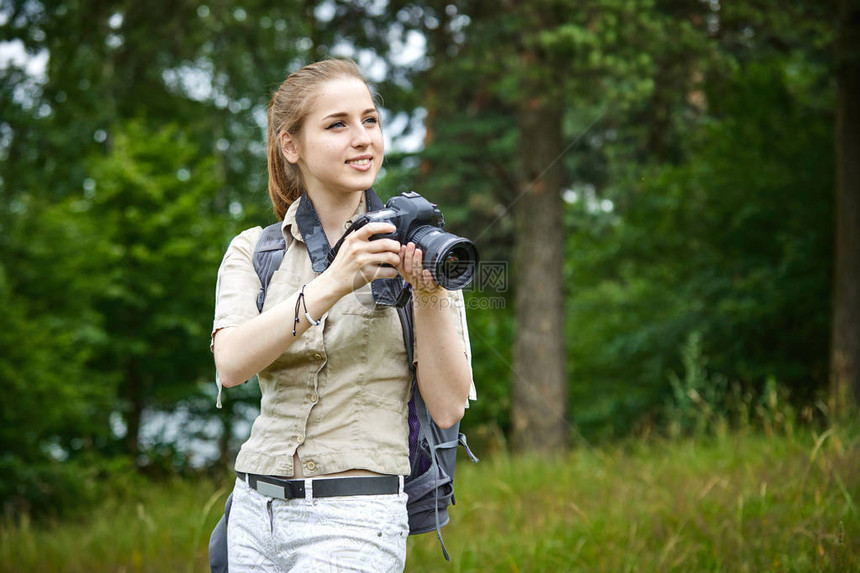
(412, 269)
(361, 260)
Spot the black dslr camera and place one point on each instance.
(451, 259)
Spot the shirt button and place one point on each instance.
(301, 438)
(314, 398)
(318, 356)
(311, 466)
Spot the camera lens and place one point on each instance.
(451, 259)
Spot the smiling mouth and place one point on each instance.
(359, 162)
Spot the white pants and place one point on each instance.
(352, 533)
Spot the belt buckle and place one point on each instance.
(278, 488)
(269, 489)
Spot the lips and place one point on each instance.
(362, 162)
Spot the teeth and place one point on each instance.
(360, 162)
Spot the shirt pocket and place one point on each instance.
(376, 321)
(360, 303)
(376, 342)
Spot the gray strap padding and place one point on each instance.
(268, 255)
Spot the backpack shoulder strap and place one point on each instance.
(404, 311)
(268, 255)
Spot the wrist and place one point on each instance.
(326, 291)
(330, 287)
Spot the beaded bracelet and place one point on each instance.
(301, 301)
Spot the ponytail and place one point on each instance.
(285, 185)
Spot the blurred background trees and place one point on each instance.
(659, 178)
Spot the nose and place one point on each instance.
(361, 137)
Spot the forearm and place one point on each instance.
(444, 373)
(243, 351)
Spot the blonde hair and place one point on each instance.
(288, 110)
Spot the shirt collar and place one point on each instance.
(289, 226)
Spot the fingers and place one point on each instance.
(365, 232)
(377, 258)
(384, 246)
(361, 260)
(412, 269)
(406, 265)
(411, 258)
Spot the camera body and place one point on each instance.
(407, 212)
(452, 260)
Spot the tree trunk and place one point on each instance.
(134, 396)
(845, 343)
(540, 381)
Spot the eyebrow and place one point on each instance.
(341, 114)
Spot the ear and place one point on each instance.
(289, 148)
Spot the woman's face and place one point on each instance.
(340, 148)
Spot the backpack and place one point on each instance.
(432, 450)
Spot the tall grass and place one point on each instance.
(740, 502)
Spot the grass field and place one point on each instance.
(744, 502)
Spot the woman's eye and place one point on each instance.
(336, 125)
(371, 120)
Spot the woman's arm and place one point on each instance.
(243, 351)
(444, 372)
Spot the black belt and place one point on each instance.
(323, 487)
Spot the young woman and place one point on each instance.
(319, 481)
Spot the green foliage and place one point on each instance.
(56, 408)
(704, 404)
(102, 300)
(697, 399)
(734, 242)
(491, 333)
(152, 197)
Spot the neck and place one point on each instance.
(334, 210)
